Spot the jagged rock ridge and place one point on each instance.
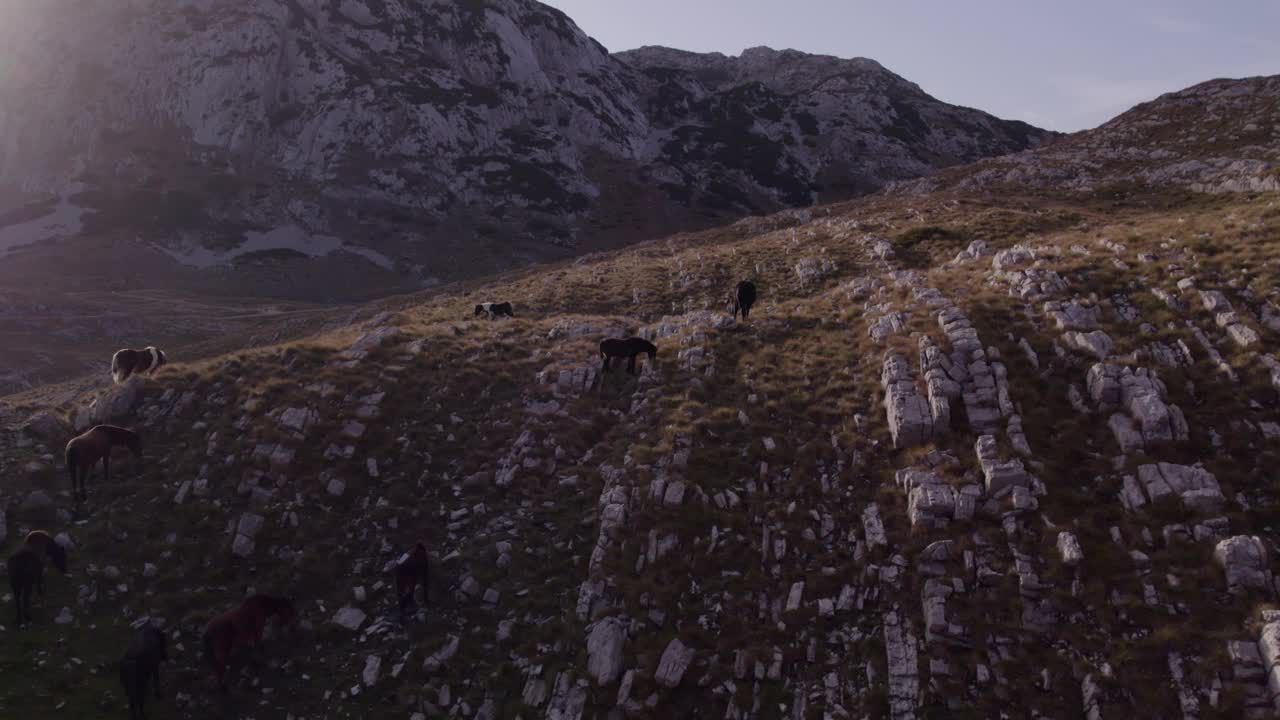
(428, 139)
(1217, 136)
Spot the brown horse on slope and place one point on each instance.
(84, 451)
(413, 568)
(242, 628)
(26, 569)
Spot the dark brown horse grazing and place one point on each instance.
(84, 451)
(242, 628)
(413, 568)
(743, 298)
(614, 349)
(26, 569)
(126, 362)
(141, 665)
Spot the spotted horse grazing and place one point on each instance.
(128, 362)
(494, 310)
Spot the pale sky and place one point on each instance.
(1063, 64)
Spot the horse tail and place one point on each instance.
(210, 656)
(129, 678)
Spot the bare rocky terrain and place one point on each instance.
(975, 454)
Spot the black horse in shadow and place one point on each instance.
(614, 349)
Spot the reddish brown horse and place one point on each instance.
(242, 628)
(411, 569)
(84, 451)
(126, 362)
(26, 569)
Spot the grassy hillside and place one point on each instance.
(720, 498)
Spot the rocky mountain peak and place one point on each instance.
(1217, 136)
(423, 141)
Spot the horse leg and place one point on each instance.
(631, 364)
(26, 601)
(140, 690)
(219, 661)
(106, 468)
(16, 586)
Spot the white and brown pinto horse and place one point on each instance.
(127, 362)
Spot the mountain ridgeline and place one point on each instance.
(422, 141)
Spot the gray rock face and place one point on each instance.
(372, 670)
(904, 670)
(36, 501)
(910, 417)
(1072, 315)
(1214, 301)
(604, 650)
(1096, 343)
(1244, 558)
(673, 664)
(349, 618)
(47, 427)
(1243, 335)
(1197, 488)
(247, 528)
(983, 387)
(999, 474)
(369, 341)
(1069, 549)
(116, 403)
(1126, 435)
(1015, 257)
(873, 527)
(298, 419)
(446, 111)
(931, 502)
(1151, 418)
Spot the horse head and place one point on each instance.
(154, 638)
(58, 554)
(134, 443)
(288, 612)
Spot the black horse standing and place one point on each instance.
(744, 298)
(26, 569)
(614, 349)
(140, 666)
